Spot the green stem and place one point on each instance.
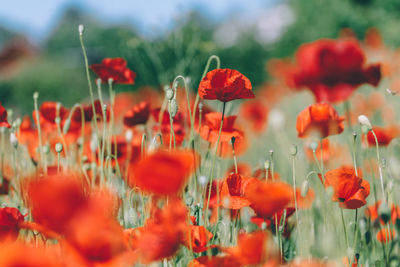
(344, 228)
(379, 165)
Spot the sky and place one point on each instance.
(36, 17)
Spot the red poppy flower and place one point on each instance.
(198, 236)
(114, 68)
(319, 119)
(9, 223)
(163, 173)
(138, 114)
(255, 112)
(54, 199)
(384, 135)
(210, 129)
(225, 85)
(385, 235)
(215, 261)
(267, 198)
(232, 192)
(332, 69)
(163, 233)
(3, 117)
(348, 189)
(372, 213)
(251, 248)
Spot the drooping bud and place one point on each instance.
(364, 121)
(59, 147)
(304, 188)
(169, 94)
(293, 150)
(173, 108)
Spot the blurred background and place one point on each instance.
(40, 50)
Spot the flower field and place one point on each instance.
(300, 171)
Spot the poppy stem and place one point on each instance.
(218, 61)
(379, 165)
(344, 228)
(234, 154)
(89, 81)
(213, 162)
(103, 141)
(42, 157)
(295, 201)
(175, 85)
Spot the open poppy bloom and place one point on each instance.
(9, 223)
(252, 249)
(348, 189)
(319, 119)
(138, 114)
(232, 192)
(268, 198)
(225, 85)
(54, 199)
(332, 69)
(3, 117)
(383, 135)
(163, 173)
(163, 233)
(115, 69)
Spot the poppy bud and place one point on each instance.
(354, 136)
(35, 95)
(304, 188)
(128, 136)
(364, 121)
(59, 147)
(314, 146)
(80, 29)
(384, 212)
(110, 81)
(13, 140)
(169, 94)
(57, 120)
(98, 82)
(173, 108)
(46, 149)
(67, 124)
(293, 150)
(267, 164)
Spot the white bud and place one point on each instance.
(128, 136)
(36, 95)
(169, 94)
(313, 146)
(46, 149)
(110, 81)
(364, 121)
(59, 147)
(13, 140)
(80, 29)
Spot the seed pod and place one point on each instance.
(364, 121)
(293, 150)
(59, 147)
(169, 94)
(173, 108)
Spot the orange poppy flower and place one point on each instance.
(10, 218)
(48, 113)
(138, 114)
(232, 192)
(385, 235)
(372, 213)
(348, 189)
(244, 169)
(332, 69)
(225, 85)
(267, 198)
(163, 173)
(54, 199)
(163, 233)
(114, 68)
(383, 135)
(255, 112)
(198, 236)
(252, 249)
(210, 129)
(3, 117)
(319, 119)
(325, 151)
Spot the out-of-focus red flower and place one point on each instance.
(215, 261)
(198, 236)
(162, 234)
(319, 119)
(309, 263)
(54, 199)
(332, 69)
(255, 112)
(252, 249)
(210, 129)
(267, 198)
(24, 255)
(232, 192)
(372, 213)
(48, 112)
(348, 189)
(244, 169)
(96, 237)
(384, 135)
(115, 69)
(88, 113)
(163, 173)
(165, 128)
(9, 223)
(385, 235)
(325, 151)
(138, 114)
(225, 85)
(3, 117)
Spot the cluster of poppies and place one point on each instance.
(157, 175)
